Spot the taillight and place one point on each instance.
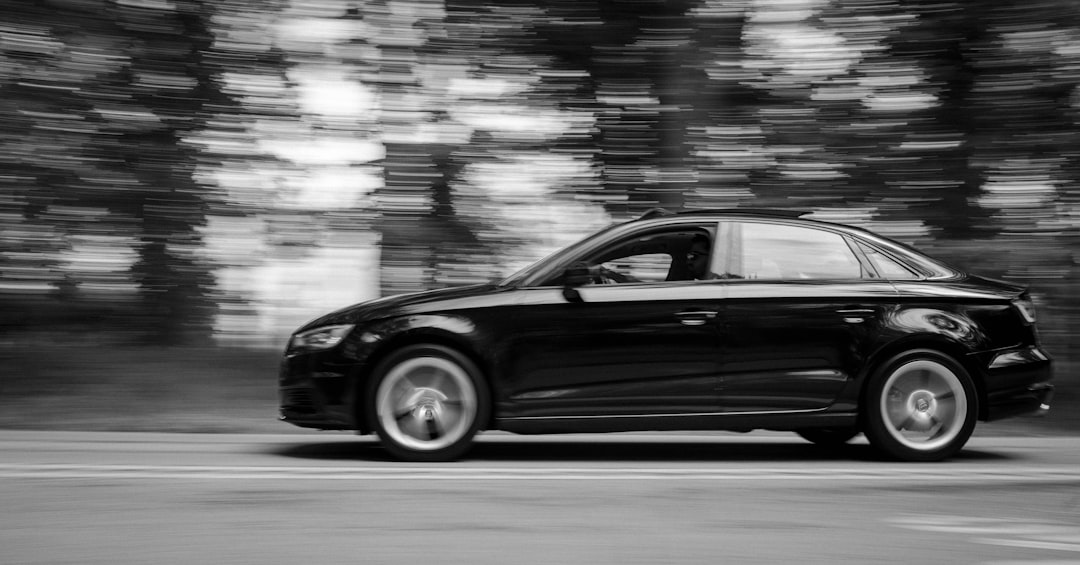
(1026, 307)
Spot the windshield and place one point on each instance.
(552, 259)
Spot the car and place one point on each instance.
(730, 320)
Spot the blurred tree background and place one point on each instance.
(218, 171)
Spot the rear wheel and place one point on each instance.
(921, 406)
(427, 403)
(828, 437)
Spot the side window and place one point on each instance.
(886, 267)
(751, 250)
(668, 255)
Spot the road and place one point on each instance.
(141, 498)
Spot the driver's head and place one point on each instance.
(697, 257)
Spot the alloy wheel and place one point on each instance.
(426, 404)
(923, 405)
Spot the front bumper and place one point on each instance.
(315, 394)
(304, 406)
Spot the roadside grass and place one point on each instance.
(231, 390)
(124, 388)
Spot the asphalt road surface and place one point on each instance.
(138, 498)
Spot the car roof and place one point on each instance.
(762, 212)
(794, 216)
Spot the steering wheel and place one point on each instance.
(605, 275)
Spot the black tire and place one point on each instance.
(920, 406)
(426, 403)
(828, 437)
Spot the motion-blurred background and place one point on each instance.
(182, 182)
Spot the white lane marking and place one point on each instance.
(979, 526)
(1009, 532)
(55, 471)
(1074, 537)
(1029, 562)
(1030, 544)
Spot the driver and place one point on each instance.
(697, 258)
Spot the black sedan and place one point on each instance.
(706, 320)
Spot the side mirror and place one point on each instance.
(577, 274)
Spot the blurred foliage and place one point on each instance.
(172, 167)
(98, 99)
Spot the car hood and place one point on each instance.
(399, 304)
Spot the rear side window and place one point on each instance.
(766, 251)
(886, 267)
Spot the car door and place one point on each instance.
(638, 347)
(799, 318)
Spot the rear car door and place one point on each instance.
(800, 316)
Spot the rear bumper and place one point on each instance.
(1017, 384)
(1033, 400)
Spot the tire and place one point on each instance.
(426, 403)
(828, 437)
(920, 406)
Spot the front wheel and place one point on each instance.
(427, 402)
(921, 406)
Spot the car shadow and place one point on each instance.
(552, 448)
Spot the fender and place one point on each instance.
(953, 326)
(903, 328)
(365, 346)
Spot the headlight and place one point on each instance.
(1026, 307)
(319, 339)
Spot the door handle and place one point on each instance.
(856, 311)
(855, 315)
(696, 317)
